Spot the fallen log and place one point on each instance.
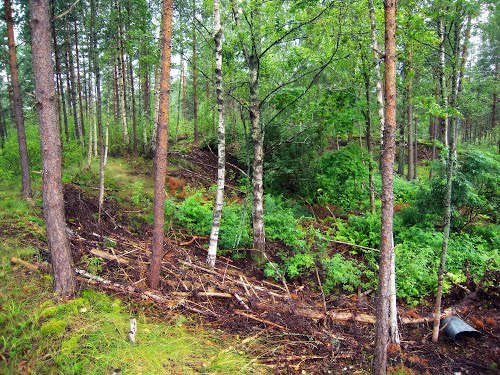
(25, 264)
(104, 255)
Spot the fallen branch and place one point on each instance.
(267, 322)
(290, 358)
(108, 256)
(25, 264)
(190, 242)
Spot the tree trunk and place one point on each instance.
(409, 114)
(18, 104)
(181, 82)
(442, 77)
(195, 85)
(450, 166)
(387, 162)
(378, 76)
(259, 238)
(156, 109)
(97, 76)
(132, 94)
(62, 264)
(160, 161)
(146, 105)
(3, 127)
(221, 170)
(72, 85)
(369, 142)
(121, 77)
(79, 82)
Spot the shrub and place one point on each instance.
(342, 179)
(341, 273)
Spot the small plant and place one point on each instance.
(341, 273)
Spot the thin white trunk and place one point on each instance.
(378, 76)
(95, 129)
(106, 135)
(221, 170)
(121, 94)
(442, 73)
(133, 330)
(393, 308)
(156, 101)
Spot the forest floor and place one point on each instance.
(280, 327)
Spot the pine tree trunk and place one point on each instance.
(221, 170)
(122, 78)
(181, 80)
(146, 106)
(62, 263)
(18, 104)
(195, 84)
(160, 161)
(72, 85)
(132, 94)
(79, 82)
(409, 114)
(387, 212)
(97, 76)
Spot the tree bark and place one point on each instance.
(79, 82)
(71, 84)
(132, 94)
(121, 77)
(387, 162)
(442, 76)
(195, 84)
(369, 142)
(18, 104)
(409, 114)
(62, 264)
(160, 161)
(221, 170)
(97, 76)
(378, 75)
(456, 84)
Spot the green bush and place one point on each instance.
(281, 223)
(341, 273)
(343, 177)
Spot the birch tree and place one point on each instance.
(221, 164)
(387, 212)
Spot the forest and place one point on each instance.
(249, 186)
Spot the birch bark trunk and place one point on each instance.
(221, 170)
(387, 212)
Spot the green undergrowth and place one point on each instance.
(88, 334)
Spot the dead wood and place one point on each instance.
(267, 322)
(25, 264)
(108, 256)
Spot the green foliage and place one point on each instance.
(281, 223)
(360, 230)
(342, 178)
(341, 273)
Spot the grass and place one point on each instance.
(88, 335)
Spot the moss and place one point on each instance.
(53, 327)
